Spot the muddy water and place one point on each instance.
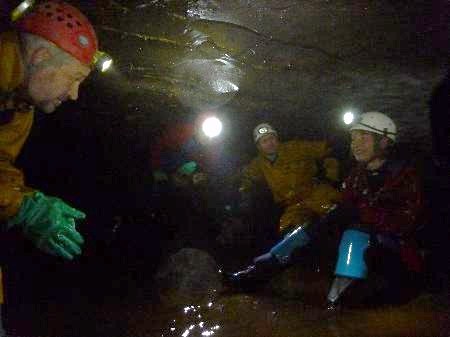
(250, 315)
(122, 306)
(268, 313)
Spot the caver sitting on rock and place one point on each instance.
(300, 174)
(379, 213)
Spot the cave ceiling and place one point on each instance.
(298, 64)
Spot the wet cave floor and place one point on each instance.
(122, 305)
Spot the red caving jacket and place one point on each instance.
(389, 201)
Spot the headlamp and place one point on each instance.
(212, 127)
(20, 10)
(102, 61)
(263, 130)
(348, 118)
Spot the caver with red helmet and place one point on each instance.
(58, 43)
(42, 63)
(65, 26)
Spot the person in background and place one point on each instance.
(183, 155)
(300, 174)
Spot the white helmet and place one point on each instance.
(263, 129)
(376, 122)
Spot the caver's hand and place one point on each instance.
(50, 224)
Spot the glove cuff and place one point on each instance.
(29, 210)
(20, 217)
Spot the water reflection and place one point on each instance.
(192, 322)
(207, 83)
(258, 315)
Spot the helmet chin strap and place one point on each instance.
(374, 164)
(378, 159)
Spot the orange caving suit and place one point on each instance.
(293, 180)
(16, 119)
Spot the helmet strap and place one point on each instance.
(379, 156)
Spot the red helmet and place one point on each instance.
(65, 26)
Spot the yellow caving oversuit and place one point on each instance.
(16, 119)
(294, 182)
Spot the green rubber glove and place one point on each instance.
(188, 168)
(50, 224)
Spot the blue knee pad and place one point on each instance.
(295, 239)
(351, 261)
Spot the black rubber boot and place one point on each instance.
(255, 275)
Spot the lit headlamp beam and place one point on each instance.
(106, 65)
(212, 127)
(348, 117)
(102, 61)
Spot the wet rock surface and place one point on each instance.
(297, 64)
(188, 273)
